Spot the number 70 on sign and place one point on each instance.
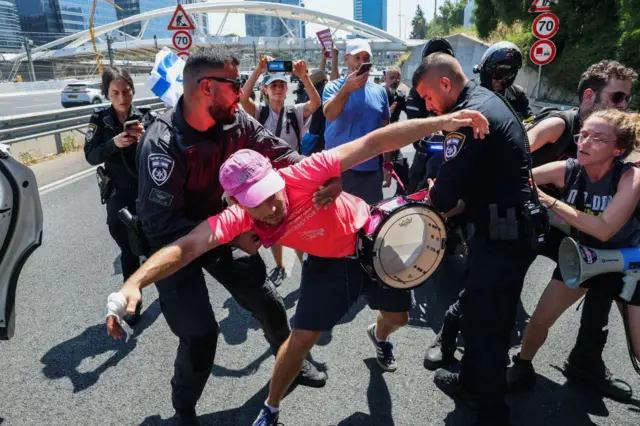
(182, 40)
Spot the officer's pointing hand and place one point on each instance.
(467, 118)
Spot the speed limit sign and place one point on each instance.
(545, 26)
(182, 40)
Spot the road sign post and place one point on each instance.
(181, 23)
(545, 26)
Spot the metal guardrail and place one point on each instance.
(18, 128)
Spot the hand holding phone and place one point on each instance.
(280, 66)
(133, 128)
(364, 67)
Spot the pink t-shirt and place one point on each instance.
(318, 231)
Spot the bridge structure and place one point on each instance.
(78, 46)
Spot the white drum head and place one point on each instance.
(409, 247)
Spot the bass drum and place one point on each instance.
(404, 242)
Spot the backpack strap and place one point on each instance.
(292, 119)
(279, 125)
(264, 114)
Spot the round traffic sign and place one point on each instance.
(545, 25)
(184, 55)
(542, 52)
(182, 40)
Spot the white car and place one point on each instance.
(82, 93)
(20, 231)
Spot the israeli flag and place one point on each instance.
(165, 80)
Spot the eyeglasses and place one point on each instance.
(237, 83)
(617, 97)
(581, 138)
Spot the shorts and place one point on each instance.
(331, 286)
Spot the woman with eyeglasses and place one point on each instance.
(287, 123)
(604, 218)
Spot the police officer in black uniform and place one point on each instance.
(179, 158)
(491, 175)
(108, 142)
(426, 161)
(498, 69)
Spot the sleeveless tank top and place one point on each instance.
(597, 196)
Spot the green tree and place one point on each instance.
(419, 25)
(451, 16)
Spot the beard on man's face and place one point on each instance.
(223, 115)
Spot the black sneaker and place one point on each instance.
(132, 319)
(277, 275)
(384, 351)
(449, 383)
(601, 379)
(521, 375)
(266, 418)
(310, 376)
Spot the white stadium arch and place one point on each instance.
(77, 44)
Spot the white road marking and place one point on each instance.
(66, 181)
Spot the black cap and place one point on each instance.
(437, 44)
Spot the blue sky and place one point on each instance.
(342, 8)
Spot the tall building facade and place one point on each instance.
(44, 21)
(10, 38)
(266, 26)
(374, 14)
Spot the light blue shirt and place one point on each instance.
(365, 111)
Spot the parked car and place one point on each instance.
(20, 231)
(82, 93)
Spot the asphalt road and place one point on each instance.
(41, 102)
(62, 369)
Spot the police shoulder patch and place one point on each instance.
(160, 167)
(91, 131)
(453, 143)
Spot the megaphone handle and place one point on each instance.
(629, 287)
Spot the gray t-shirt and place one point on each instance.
(287, 135)
(597, 196)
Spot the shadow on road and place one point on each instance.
(65, 359)
(434, 298)
(378, 399)
(243, 415)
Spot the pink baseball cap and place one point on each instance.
(249, 177)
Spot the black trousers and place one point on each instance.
(120, 233)
(496, 272)
(184, 299)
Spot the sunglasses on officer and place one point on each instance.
(237, 83)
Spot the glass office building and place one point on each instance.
(10, 38)
(266, 26)
(44, 21)
(374, 14)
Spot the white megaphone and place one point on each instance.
(579, 263)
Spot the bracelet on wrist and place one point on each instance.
(555, 200)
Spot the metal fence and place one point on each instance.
(19, 128)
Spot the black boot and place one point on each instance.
(521, 375)
(585, 365)
(440, 351)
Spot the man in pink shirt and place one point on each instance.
(278, 206)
